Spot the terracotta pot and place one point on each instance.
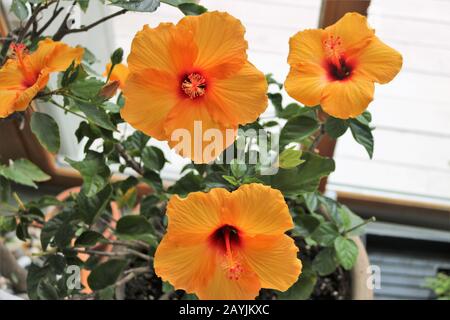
(360, 274)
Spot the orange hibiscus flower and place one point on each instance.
(222, 245)
(23, 76)
(336, 67)
(193, 76)
(119, 73)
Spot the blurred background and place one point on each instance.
(406, 185)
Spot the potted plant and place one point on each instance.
(246, 212)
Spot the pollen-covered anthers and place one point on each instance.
(20, 53)
(194, 85)
(18, 49)
(234, 268)
(333, 49)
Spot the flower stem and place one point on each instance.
(67, 110)
(372, 219)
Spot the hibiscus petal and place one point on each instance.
(7, 100)
(149, 97)
(197, 215)
(306, 47)
(194, 134)
(379, 62)
(258, 209)
(239, 99)
(220, 287)
(186, 266)
(220, 41)
(306, 83)
(353, 30)
(165, 48)
(273, 259)
(54, 56)
(348, 98)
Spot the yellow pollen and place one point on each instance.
(333, 49)
(194, 85)
(20, 53)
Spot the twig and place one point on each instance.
(63, 31)
(126, 279)
(134, 244)
(318, 138)
(372, 219)
(67, 110)
(138, 270)
(55, 14)
(128, 159)
(114, 253)
(30, 21)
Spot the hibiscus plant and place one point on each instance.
(230, 227)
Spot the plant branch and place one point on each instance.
(67, 110)
(64, 30)
(63, 27)
(114, 253)
(372, 219)
(128, 159)
(55, 14)
(318, 138)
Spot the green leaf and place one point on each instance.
(84, 4)
(106, 274)
(325, 234)
(363, 135)
(365, 118)
(335, 127)
(311, 201)
(325, 262)
(94, 171)
(304, 178)
(290, 158)
(350, 220)
(34, 277)
(136, 142)
(5, 189)
(277, 101)
(231, 180)
(149, 206)
(97, 116)
(46, 131)
(7, 224)
(89, 238)
(24, 172)
(153, 158)
(305, 224)
(190, 182)
(91, 207)
(86, 88)
(176, 3)
(192, 9)
(346, 252)
(137, 5)
(304, 286)
(238, 169)
(291, 110)
(297, 129)
(20, 9)
(64, 235)
(134, 225)
(270, 80)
